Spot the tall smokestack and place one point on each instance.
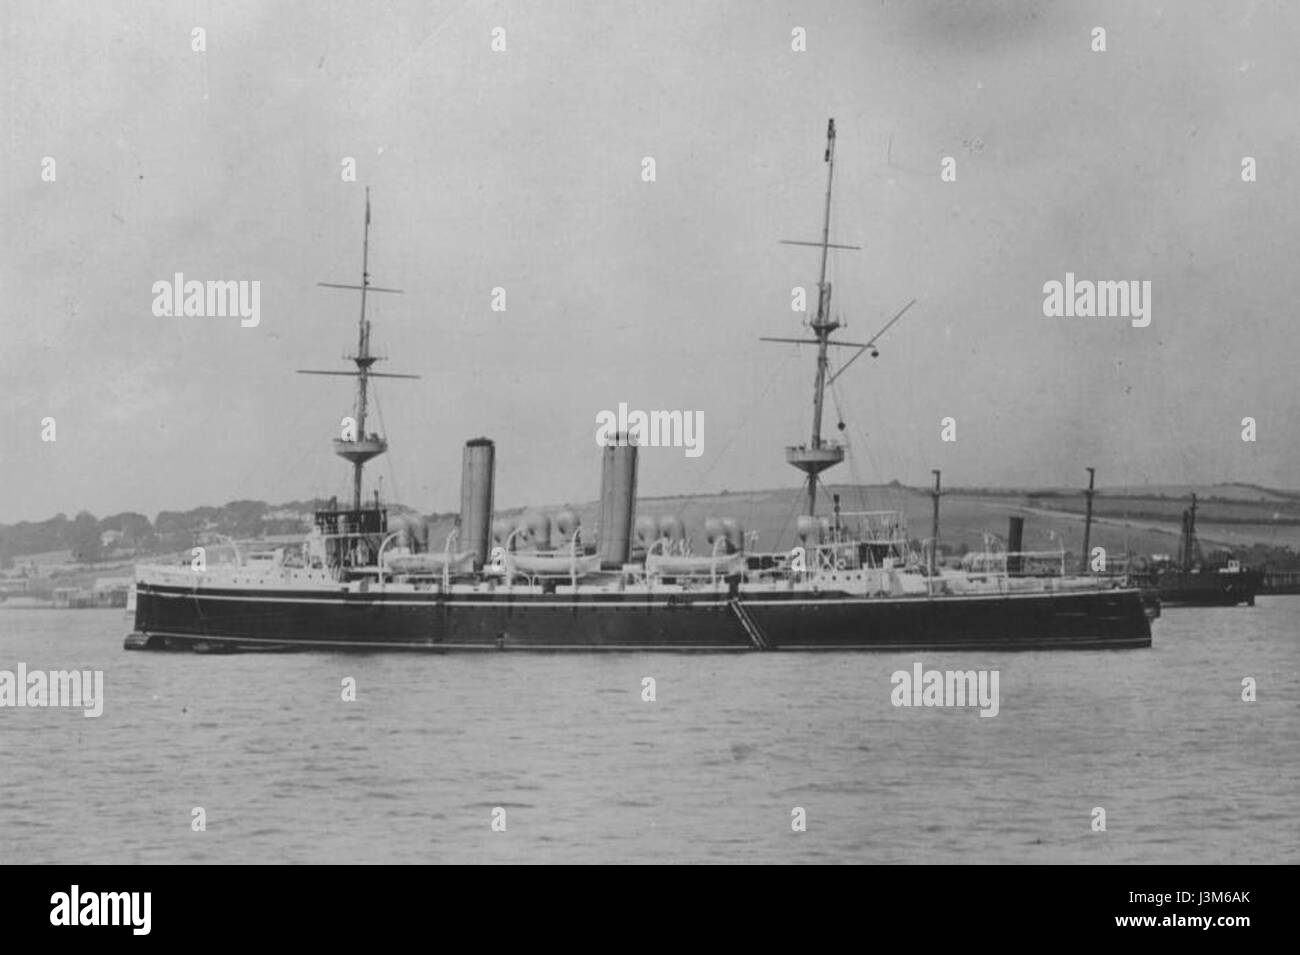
(1087, 522)
(476, 478)
(1015, 544)
(617, 501)
(1185, 542)
(934, 525)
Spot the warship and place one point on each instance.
(851, 581)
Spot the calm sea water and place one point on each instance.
(588, 772)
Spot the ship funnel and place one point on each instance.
(617, 501)
(1015, 544)
(476, 478)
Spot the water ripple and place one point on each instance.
(586, 772)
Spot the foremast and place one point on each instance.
(356, 530)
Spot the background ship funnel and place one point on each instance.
(1015, 543)
(476, 479)
(617, 501)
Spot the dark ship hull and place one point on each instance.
(180, 618)
(1193, 582)
(1208, 588)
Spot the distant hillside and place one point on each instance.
(1144, 520)
(1053, 518)
(1233, 492)
(90, 540)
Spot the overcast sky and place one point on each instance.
(522, 169)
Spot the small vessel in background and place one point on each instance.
(1192, 580)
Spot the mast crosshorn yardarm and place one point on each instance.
(819, 454)
(361, 447)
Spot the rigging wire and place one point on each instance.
(392, 473)
(736, 432)
(849, 446)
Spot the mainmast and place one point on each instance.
(819, 454)
(357, 445)
(823, 326)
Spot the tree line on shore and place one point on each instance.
(89, 539)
